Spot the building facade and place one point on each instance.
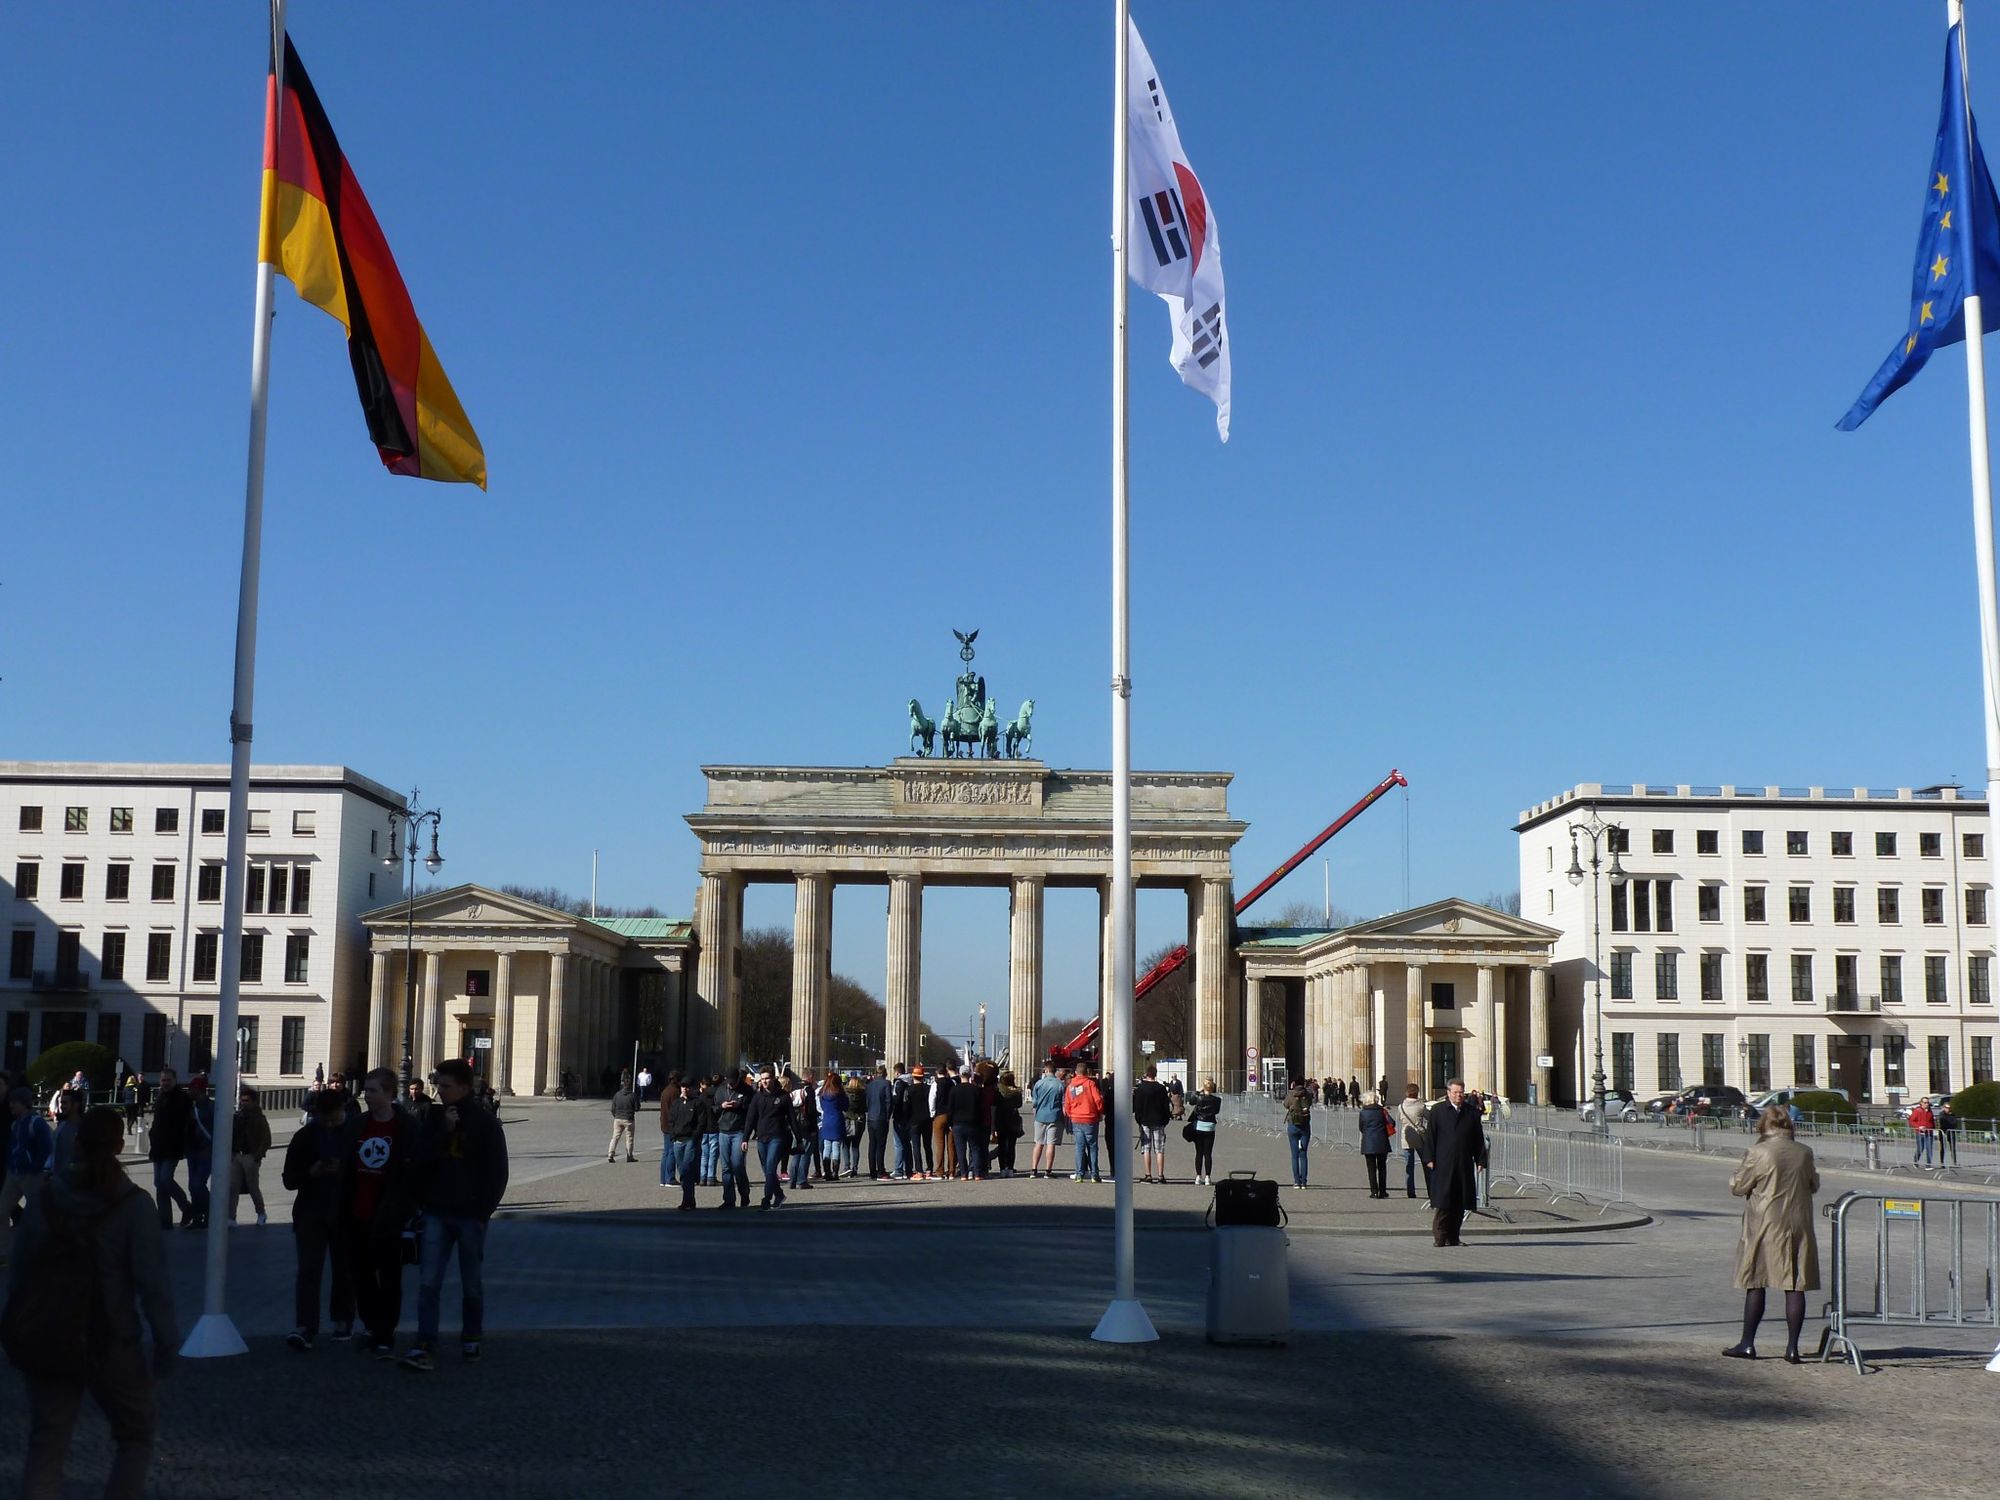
(1769, 937)
(112, 899)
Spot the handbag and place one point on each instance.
(1189, 1133)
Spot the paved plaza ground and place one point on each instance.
(865, 1335)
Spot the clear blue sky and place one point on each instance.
(785, 329)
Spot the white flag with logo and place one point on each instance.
(1172, 244)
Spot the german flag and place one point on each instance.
(319, 231)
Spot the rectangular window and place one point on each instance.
(1711, 978)
(71, 884)
(121, 820)
(1885, 846)
(246, 1027)
(213, 819)
(1888, 905)
(1979, 980)
(371, 892)
(206, 946)
(278, 891)
(1666, 976)
(1933, 907)
(298, 950)
(163, 882)
(373, 832)
(1940, 1064)
(159, 957)
(1843, 845)
(1621, 973)
(292, 1046)
(1663, 906)
(1934, 980)
(478, 983)
(1753, 841)
(1795, 842)
(1892, 979)
(1757, 978)
(76, 820)
(303, 822)
(1617, 840)
(1846, 975)
(21, 954)
(253, 958)
(260, 822)
(31, 820)
(201, 1043)
(166, 820)
(27, 880)
(1621, 906)
(1622, 1069)
(1708, 902)
(1759, 1057)
(1707, 841)
(118, 882)
(208, 883)
(253, 889)
(1712, 1056)
(69, 956)
(1669, 1060)
(1930, 845)
(1892, 1062)
(1798, 903)
(1843, 904)
(1663, 841)
(1753, 903)
(1802, 983)
(1642, 907)
(1982, 1059)
(152, 1043)
(301, 890)
(1975, 907)
(111, 956)
(1443, 995)
(1803, 1059)
(1974, 845)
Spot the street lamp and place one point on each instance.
(413, 819)
(1596, 830)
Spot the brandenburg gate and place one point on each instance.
(923, 821)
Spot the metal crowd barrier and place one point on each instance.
(1894, 1282)
(1265, 1113)
(1579, 1164)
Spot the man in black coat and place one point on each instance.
(172, 1139)
(1456, 1146)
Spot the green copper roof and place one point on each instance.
(1282, 937)
(656, 928)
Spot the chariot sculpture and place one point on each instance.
(970, 724)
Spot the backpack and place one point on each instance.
(49, 1321)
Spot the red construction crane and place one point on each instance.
(1085, 1039)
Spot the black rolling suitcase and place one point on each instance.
(1245, 1199)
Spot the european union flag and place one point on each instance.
(1958, 248)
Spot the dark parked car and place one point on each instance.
(1718, 1101)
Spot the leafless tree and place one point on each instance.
(549, 896)
(1507, 901)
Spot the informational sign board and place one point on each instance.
(1146, 1047)
(1545, 1061)
(1902, 1208)
(482, 1044)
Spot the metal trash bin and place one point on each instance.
(1249, 1286)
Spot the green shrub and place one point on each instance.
(56, 1066)
(1980, 1102)
(1822, 1102)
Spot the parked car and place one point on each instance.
(1619, 1104)
(1657, 1105)
(1933, 1100)
(1784, 1096)
(1714, 1101)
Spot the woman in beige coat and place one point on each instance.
(1777, 1248)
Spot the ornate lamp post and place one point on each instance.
(1596, 830)
(414, 818)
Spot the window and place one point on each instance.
(213, 819)
(1666, 976)
(1843, 846)
(1982, 1059)
(1712, 1054)
(159, 957)
(21, 954)
(206, 946)
(121, 820)
(1843, 904)
(1708, 902)
(1757, 978)
(1893, 1048)
(1799, 903)
(1940, 1061)
(279, 888)
(1759, 1057)
(1550, 909)
(253, 958)
(298, 950)
(1888, 905)
(76, 820)
(69, 955)
(109, 1025)
(118, 882)
(1753, 903)
(208, 883)
(260, 822)
(1802, 1062)
(1707, 841)
(1669, 1060)
(163, 882)
(1663, 906)
(1975, 907)
(1930, 845)
(1443, 996)
(1795, 842)
(253, 890)
(374, 832)
(371, 892)
(166, 820)
(292, 1046)
(1885, 846)
(302, 823)
(301, 890)
(111, 956)
(152, 1043)
(1753, 841)
(1846, 975)
(201, 1043)
(27, 880)
(478, 983)
(1979, 980)
(1933, 906)
(1974, 845)
(1892, 979)
(1622, 1068)
(1934, 980)
(1621, 973)
(31, 820)
(1711, 978)
(1621, 906)
(1663, 841)
(246, 1032)
(72, 880)
(1802, 985)
(1617, 840)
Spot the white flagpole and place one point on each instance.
(1982, 468)
(1125, 1321)
(214, 1333)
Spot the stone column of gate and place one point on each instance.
(432, 1031)
(903, 986)
(503, 1023)
(1538, 1031)
(1503, 1012)
(1211, 982)
(555, 1023)
(1338, 1042)
(1415, 1063)
(1253, 1031)
(809, 949)
(1479, 1063)
(1024, 977)
(378, 1011)
(1360, 1008)
(714, 1026)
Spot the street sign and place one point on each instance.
(1251, 1053)
(1902, 1208)
(482, 1043)
(1545, 1061)
(1147, 1048)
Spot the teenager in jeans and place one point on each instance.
(730, 1102)
(1298, 1131)
(461, 1174)
(316, 1170)
(378, 1206)
(768, 1122)
(1083, 1107)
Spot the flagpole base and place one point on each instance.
(213, 1336)
(1993, 1365)
(1125, 1322)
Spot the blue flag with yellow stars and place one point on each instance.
(1958, 248)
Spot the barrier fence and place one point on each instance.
(1578, 1164)
(1911, 1262)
